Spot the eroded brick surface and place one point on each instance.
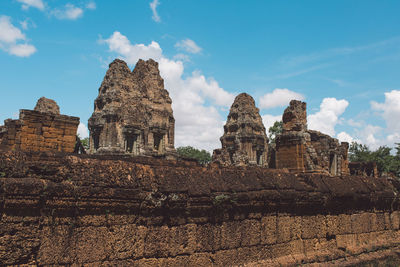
(42, 129)
(62, 209)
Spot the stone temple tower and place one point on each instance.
(132, 113)
(244, 141)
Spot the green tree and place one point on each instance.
(202, 156)
(274, 131)
(385, 161)
(397, 150)
(359, 153)
(85, 143)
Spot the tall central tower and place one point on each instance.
(132, 113)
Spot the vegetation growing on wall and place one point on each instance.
(202, 156)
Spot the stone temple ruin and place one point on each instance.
(244, 141)
(41, 129)
(297, 149)
(63, 209)
(133, 116)
(302, 150)
(133, 113)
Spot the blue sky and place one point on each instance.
(341, 57)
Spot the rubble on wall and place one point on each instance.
(41, 129)
(302, 150)
(132, 113)
(364, 168)
(46, 105)
(244, 141)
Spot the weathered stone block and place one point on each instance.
(344, 227)
(360, 223)
(313, 226)
(284, 224)
(395, 220)
(296, 228)
(208, 237)
(127, 241)
(250, 230)
(269, 230)
(231, 235)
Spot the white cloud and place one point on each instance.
(390, 110)
(393, 138)
(26, 4)
(24, 24)
(279, 98)
(27, 23)
(269, 120)
(182, 57)
(91, 5)
(11, 38)
(327, 117)
(69, 11)
(8, 32)
(188, 46)
(354, 123)
(131, 53)
(82, 131)
(345, 137)
(153, 6)
(22, 50)
(209, 88)
(370, 136)
(375, 136)
(195, 98)
(335, 52)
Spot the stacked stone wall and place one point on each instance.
(302, 150)
(102, 211)
(38, 131)
(291, 157)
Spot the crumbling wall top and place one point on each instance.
(47, 105)
(295, 116)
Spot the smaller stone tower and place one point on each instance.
(244, 141)
(301, 150)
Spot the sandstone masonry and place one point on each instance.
(244, 141)
(132, 113)
(302, 150)
(42, 129)
(106, 210)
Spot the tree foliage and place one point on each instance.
(274, 131)
(85, 143)
(202, 156)
(385, 161)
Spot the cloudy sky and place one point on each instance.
(341, 57)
